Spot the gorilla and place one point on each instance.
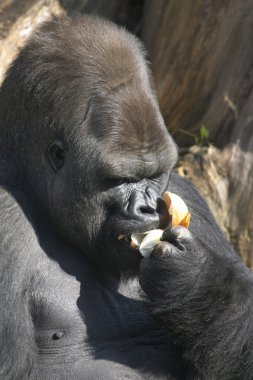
(85, 157)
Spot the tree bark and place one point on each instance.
(202, 59)
(17, 21)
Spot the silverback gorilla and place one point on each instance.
(85, 157)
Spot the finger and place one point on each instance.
(177, 235)
(163, 249)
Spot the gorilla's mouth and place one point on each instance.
(116, 239)
(126, 238)
(122, 233)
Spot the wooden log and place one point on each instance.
(17, 21)
(202, 60)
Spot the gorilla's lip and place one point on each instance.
(126, 243)
(126, 235)
(123, 237)
(121, 228)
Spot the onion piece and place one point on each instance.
(146, 241)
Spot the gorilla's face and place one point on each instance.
(92, 149)
(109, 173)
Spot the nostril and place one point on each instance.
(147, 210)
(140, 206)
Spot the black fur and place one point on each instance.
(84, 157)
(200, 289)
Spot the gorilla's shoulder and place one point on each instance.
(16, 230)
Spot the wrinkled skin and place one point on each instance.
(86, 157)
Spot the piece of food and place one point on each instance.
(178, 210)
(146, 242)
(180, 216)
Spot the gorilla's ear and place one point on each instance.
(56, 154)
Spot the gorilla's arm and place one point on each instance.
(17, 243)
(200, 289)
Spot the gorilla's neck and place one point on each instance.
(115, 262)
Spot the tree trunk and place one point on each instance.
(18, 18)
(202, 59)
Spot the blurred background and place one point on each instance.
(201, 54)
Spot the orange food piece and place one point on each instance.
(180, 215)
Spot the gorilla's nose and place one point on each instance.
(143, 206)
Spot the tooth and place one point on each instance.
(136, 239)
(149, 242)
(121, 237)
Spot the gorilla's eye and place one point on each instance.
(118, 181)
(156, 176)
(114, 182)
(56, 154)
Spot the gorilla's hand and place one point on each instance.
(172, 270)
(204, 299)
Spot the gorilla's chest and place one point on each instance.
(90, 328)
